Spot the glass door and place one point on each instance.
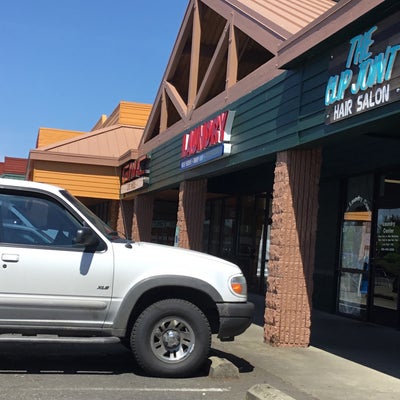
(354, 260)
(354, 265)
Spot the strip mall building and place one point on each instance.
(273, 142)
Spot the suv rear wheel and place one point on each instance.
(171, 338)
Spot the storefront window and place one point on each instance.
(236, 229)
(387, 259)
(164, 222)
(229, 228)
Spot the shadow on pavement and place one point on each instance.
(34, 356)
(374, 346)
(242, 365)
(31, 357)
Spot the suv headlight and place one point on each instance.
(238, 285)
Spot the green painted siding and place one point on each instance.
(285, 113)
(265, 122)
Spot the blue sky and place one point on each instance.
(64, 63)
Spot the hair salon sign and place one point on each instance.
(366, 73)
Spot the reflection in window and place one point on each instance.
(354, 263)
(28, 220)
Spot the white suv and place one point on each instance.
(65, 272)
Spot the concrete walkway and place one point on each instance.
(347, 359)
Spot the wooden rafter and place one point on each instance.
(194, 57)
(215, 62)
(163, 112)
(176, 99)
(233, 60)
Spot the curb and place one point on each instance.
(221, 368)
(266, 392)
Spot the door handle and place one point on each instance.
(10, 257)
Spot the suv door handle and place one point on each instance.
(10, 257)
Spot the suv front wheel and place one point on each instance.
(171, 338)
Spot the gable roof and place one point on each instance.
(109, 143)
(224, 49)
(101, 147)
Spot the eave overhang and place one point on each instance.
(345, 12)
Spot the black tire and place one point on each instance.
(171, 339)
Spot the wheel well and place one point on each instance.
(202, 300)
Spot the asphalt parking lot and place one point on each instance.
(101, 369)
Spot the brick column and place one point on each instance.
(125, 216)
(191, 214)
(142, 218)
(113, 214)
(292, 248)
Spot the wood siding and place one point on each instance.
(81, 180)
(48, 136)
(128, 113)
(265, 122)
(287, 112)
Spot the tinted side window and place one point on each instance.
(33, 219)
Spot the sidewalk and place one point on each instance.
(346, 360)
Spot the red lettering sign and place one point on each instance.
(134, 169)
(200, 138)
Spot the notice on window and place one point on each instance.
(388, 235)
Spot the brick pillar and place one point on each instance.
(113, 214)
(191, 214)
(125, 216)
(292, 248)
(142, 218)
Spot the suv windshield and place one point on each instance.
(93, 218)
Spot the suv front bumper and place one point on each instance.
(234, 319)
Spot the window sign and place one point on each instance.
(365, 72)
(387, 260)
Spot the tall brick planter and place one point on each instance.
(191, 214)
(292, 248)
(142, 218)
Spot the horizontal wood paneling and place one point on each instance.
(265, 122)
(134, 114)
(128, 113)
(80, 180)
(48, 136)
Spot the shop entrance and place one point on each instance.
(369, 265)
(237, 229)
(385, 283)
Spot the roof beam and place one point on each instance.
(194, 57)
(213, 66)
(176, 99)
(233, 60)
(163, 112)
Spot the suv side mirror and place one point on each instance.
(86, 237)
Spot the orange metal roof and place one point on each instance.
(291, 15)
(106, 144)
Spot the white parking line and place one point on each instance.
(108, 389)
